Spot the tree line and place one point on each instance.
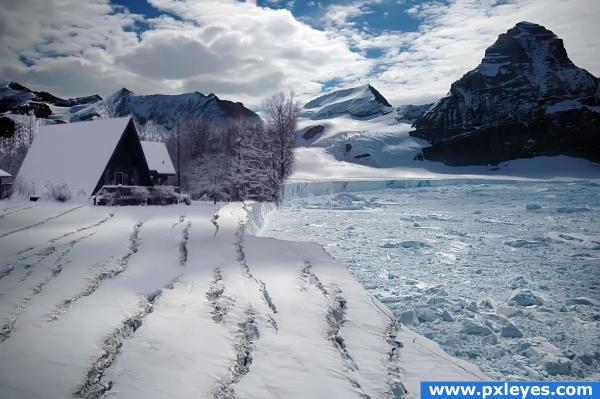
(237, 160)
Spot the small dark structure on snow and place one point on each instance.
(161, 167)
(5, 184)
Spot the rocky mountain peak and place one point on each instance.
(358, 102)
(525, 79)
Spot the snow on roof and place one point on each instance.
(158, 157)
(72, 153)
(4, 174)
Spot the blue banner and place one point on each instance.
(510, 390)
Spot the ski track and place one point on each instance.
(7, 328)
(335, 318)
(246, 336)
(219, 303)
(12, 210)
(134, 244)
(262, 287)
(43, 221)
(183, 245)
(94, 386)
(214, 221)
(42, 254)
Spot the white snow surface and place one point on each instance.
(4, 174)
(179, 301)
(501, 273)
(72, 153)
(158, 158)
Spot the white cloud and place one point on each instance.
(243, 52)
(452, 38)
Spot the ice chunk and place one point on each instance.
(525, 297)
(579, 301)
(446, 316)
(407, 317)
(558, 367)
(426, 314)
(511, 331)
(472, 328)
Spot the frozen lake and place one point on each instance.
(504, 275)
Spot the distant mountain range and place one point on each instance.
(526, 98)
(166, 111)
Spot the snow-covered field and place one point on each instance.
(179, 302)
(504, 275)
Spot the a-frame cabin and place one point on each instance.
(85, 156)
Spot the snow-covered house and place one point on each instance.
(161, 167)
(4, 184)
(84, 156)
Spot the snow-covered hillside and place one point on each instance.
(358, 125)
(155, 302)
(379, 146)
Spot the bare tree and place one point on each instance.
(150, 131)
(13, 148)
(107, 110)
(256, 176)
(211, 177)
(195, 137)
(281, 122)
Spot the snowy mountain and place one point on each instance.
(525, 99)
(359, 125)
(359, 102)
(164, 110)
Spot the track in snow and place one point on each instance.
(246, 336)
(262, 287)
(335, 318)
(42, 221)
(134, 244)
(94, 386)
(7, 328)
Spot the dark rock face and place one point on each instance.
(312, 132)
(411, 112)
(40, 110)
(45, 97)
(526, 98)
(7, 127)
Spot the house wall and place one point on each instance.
(128, 159)
(5, 187)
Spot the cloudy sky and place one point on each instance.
(244, 50)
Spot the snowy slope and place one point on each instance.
(359, 102)
(358, 125)
(154, 302)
